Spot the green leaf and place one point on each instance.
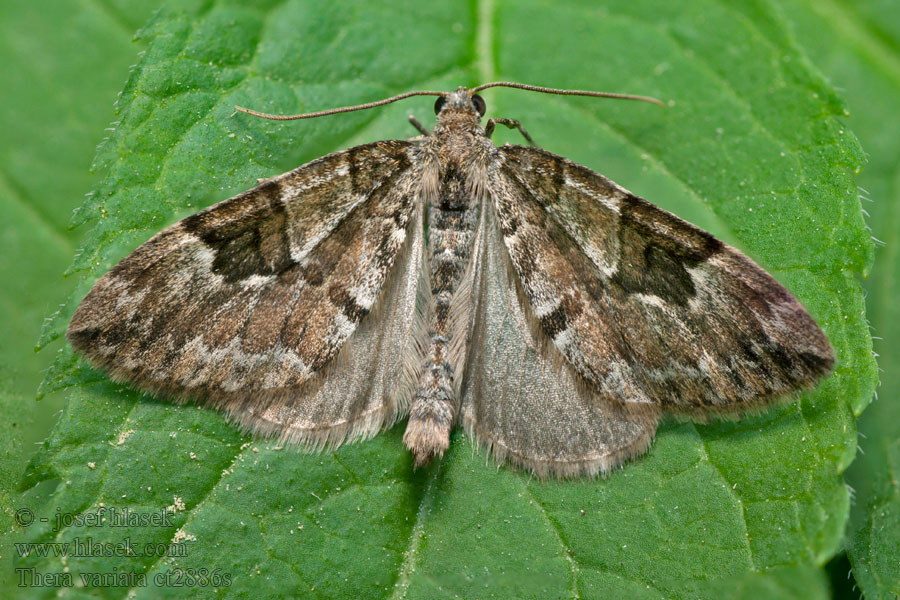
(63, 63)
(13, 458)
(56, 103)
(857, 46)
(751, 147)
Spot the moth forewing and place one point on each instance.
(643, 305)
(551, 312)
(238, 306)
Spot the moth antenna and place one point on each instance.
(334, 111)
(546, 90)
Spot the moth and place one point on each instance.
(547, 310)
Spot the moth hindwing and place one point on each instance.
(550, 312)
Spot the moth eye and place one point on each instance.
(480, 106)
(439, 104)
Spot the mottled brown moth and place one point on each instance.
(553, 314)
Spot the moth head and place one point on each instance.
(462, 100)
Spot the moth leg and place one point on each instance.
(415, 123)
(512, 124)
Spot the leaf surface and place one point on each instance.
(63, 63)
(752, 147)
(858, 46)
